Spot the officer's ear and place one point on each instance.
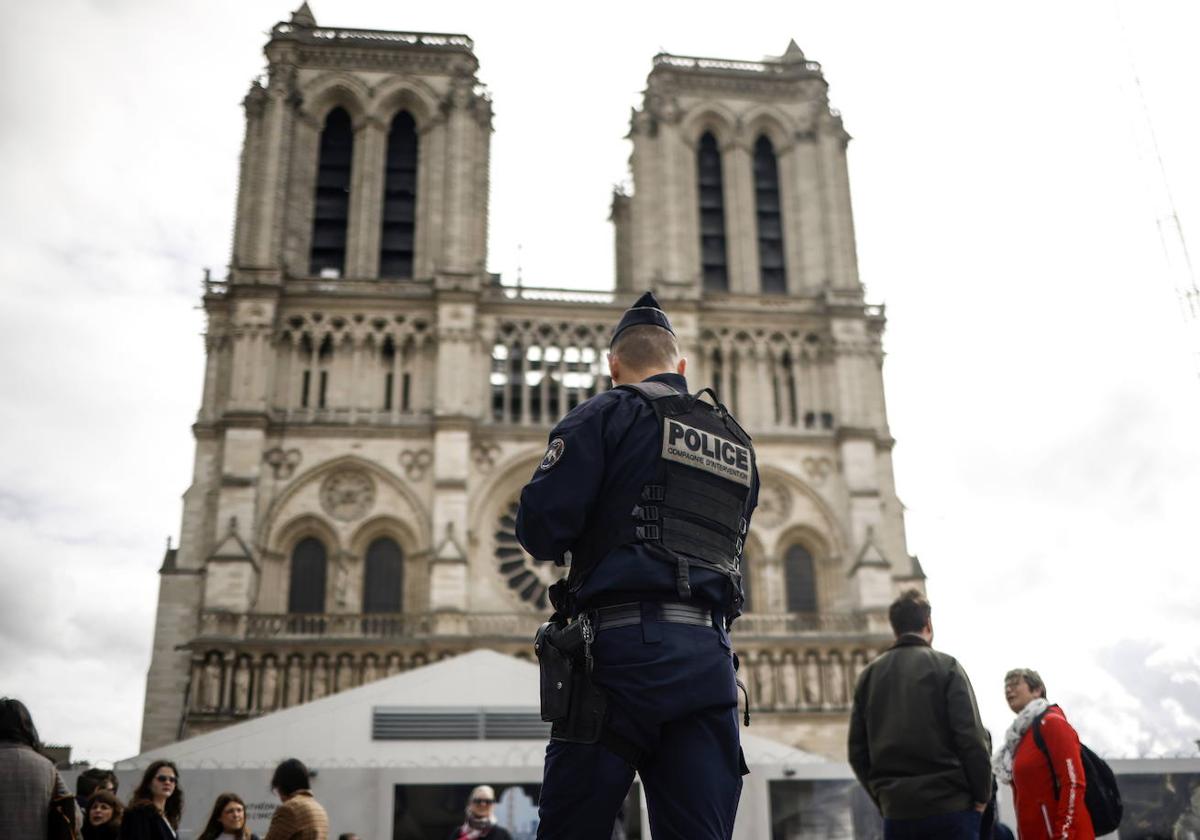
(614, 368)
(681, 368)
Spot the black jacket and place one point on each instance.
(143, 822)
(916, 741)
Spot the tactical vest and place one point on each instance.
(692, 513)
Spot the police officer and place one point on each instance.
(646, 492)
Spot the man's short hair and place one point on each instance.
(1031, 677)
(646, 347)
(91, 779)
(290, 776)
(909, 613)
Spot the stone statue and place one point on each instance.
(812, 681)
(345, 673)
(341, 584)
(790, 682)
(269, 686)
(370, 671)
(212, 683)
(394, 665)
(241, 685)
(858, 664)
(766, 681)
(320, 679)
(295, 682)
(837, 680)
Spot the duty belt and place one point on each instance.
(626, 615)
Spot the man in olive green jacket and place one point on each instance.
(916, 741)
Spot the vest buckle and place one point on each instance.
(646, 513)
(653, 493)
(647, 532)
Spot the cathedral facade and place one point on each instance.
(374, 399)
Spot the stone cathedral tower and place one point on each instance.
(374, 399)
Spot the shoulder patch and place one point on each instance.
(554, 453)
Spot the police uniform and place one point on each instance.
(646, 493)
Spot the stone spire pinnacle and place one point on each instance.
(304, 16)
(793, 53)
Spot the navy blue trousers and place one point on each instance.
(671, 691)
(960, 825)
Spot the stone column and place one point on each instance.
(741, 231)
(367, 173)
(807, 187)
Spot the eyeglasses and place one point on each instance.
(483, 801)
(165, 779)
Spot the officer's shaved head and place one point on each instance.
(646, 348)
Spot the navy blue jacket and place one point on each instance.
(610, 442)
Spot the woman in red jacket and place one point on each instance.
(1042, 811)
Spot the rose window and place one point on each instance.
(526, 577)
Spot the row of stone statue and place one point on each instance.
(241, 684)
(802, 681)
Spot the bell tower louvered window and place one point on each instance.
(801, 576)
(399, 199)
(306, 592)
(769, 217)
(383, 579)
(712, 215)
(331, 203)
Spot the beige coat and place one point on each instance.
(300, 818)
(27, 781)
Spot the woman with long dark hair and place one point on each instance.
(102, 820)
(156, 805)
(227, 820)
(29, 784)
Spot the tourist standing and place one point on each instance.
(28, 780)
(227, 820)
(1043, 808)
(481, 818)
(102, 819)
(916, 741)
(300, 816)
(156, 805)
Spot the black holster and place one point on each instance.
(570, 700)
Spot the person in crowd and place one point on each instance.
(481, 818)
(1021, 763)
(102, 819)
(29, 783)
(227, 820)
(299, 816)
(90, 781)
(156, 805)
(348, 836)
(916, 741)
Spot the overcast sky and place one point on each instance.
(1039, 378)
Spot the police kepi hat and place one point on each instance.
(645, 310)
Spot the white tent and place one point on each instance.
(365, 741)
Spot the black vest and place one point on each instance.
(693, 511)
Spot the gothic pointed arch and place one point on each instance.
(710, 191)
(405, 94)
(383, 577)
(397, 241)
(308, 569)
(768, 214)
(393, 493)
(331, 195)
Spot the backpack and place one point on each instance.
(1101, 795)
